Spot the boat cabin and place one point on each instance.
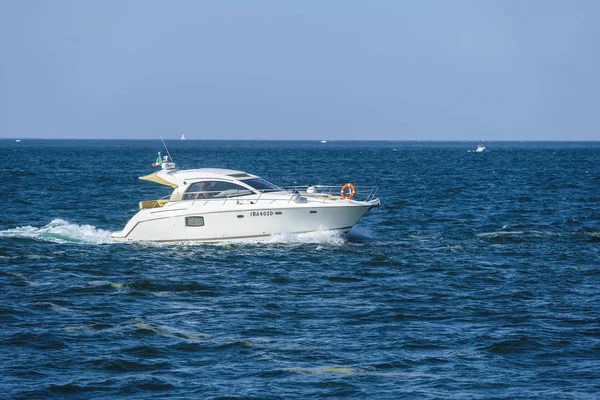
(207, 183)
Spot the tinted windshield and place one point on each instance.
(261, 184)
(215, 189)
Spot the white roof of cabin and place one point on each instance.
(175, 177)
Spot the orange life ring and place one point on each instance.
(352, 191)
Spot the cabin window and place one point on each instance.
(215, 190)
(262, 185)
(194, 221)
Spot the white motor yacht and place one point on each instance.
(480, 148)
(212, 205)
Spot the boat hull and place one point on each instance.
(172, 224)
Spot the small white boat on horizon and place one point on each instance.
(323, 141)
(213, 205)
(182, 137)
(18, 141)
(480, 148)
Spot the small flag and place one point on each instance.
(158, 161)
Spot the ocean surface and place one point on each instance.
(478, 278)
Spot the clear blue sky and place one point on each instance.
(354, 70)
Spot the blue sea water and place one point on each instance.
(479, 277)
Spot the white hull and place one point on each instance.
(240, 221)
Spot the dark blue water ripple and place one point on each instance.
(477, 278)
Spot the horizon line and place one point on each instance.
(312, 140)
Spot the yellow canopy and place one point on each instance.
(155, 178)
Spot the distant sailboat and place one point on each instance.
(182, 136)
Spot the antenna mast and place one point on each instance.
(166, 148)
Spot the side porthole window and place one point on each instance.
(194, 221)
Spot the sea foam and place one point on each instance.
(60, 231)
(317, 237)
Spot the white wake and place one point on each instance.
(335, 238)
(317, 237)
(60, 231)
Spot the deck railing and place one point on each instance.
(292, 193)
(363, 193)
